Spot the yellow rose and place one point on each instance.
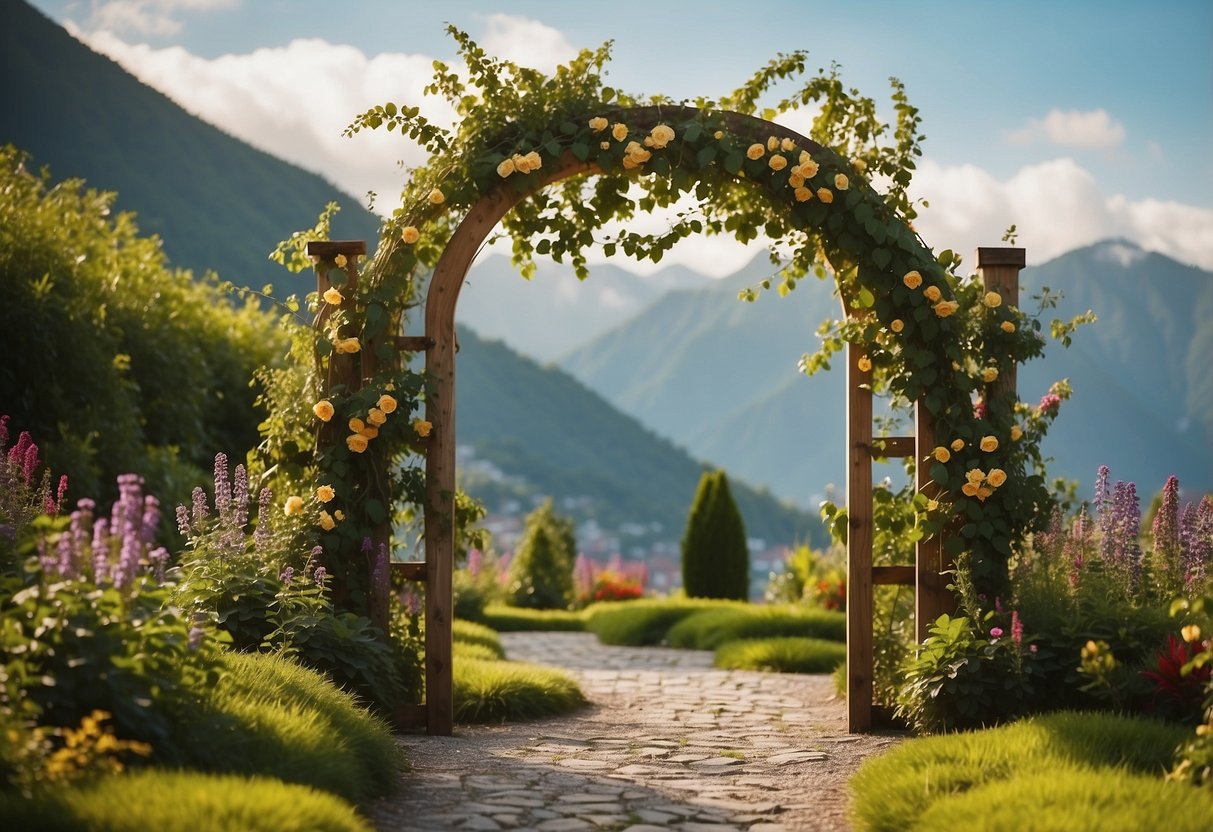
(598, 124)
(755, 151)
(1191, 633)
(605, 145)
(958, 445)
(932, 294)
(772, 143)
(1016, 433)
(347, 345)
(505, 168)
(946, 307)
(437, 197)
(718, 135)
(777, 162)
(333, 297)
(661, 135)
(340, 261)
(325, 493)
(865, 364)
(1007, 326)
(992, 300)
(825, 195)
(422, 428)
(808, 169)
(989, 443)
(841, 182)
(356, 442)
(370, 431)
(942, 454)
(787, 145)
(983, 493)
(996, 477)
(376, 416)
(293, 505)
(989, 374)
(897, 325)
(410, 234)
(912, 280)
(338, 515)
(323, 410)
(975, 475)
(386, 403)
(357, 425)
(969, 489)
(533, 160)
(619, 131)
(795, 179)
(803, 194)
(326, 521)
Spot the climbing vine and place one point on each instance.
(835, 202)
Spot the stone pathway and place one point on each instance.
(668, 742)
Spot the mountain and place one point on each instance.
(524, 430)
(215, 202)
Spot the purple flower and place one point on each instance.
(1166, 528)
(321, 576)
(223, 490)
(261, 536)
(240, 496)
(287, 576)
(201, 511)
(183, 521)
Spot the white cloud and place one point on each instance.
(526, 42)
(1072, 128)
(147, 17)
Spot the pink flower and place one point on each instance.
(996, 632)
(1049, 403)
(1016, 628)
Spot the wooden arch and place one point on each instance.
(440, 347)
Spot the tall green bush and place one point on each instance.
(541, 573)
(715, 558)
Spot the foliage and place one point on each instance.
(541, 571)
(25, 493)
(126, 365)
(643, 622)
(712, 627)
(181, 801)
(715, 554)
(476, 585)
(496, 691)
(784, 654)
(1194, 758)
(894, 791)
(507, 619)
(468, 632)
(617, 581)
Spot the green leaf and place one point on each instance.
(552, 147)
(705, 155)
(865, 299)
(939, 473)
(693, 132)
(881, 257)
(733, 162)
(581, 150)
(375, 511)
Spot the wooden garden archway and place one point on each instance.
(1000, 267)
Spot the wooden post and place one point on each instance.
(859, 544)
(931, 597)
(999, 269)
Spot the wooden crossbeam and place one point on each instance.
(889, 447)
(414, 343)
(413, 570)
(894, 575)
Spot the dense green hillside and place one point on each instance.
(543, 427)
(216, 202)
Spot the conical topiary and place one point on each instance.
(715, 558)
(541, 573)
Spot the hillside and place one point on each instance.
(215, 202)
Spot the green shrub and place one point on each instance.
(466, 650)
(641, 622)
(541, 572)
(177, 801)
(893, 790)
(269, 716)
(782, 655)
(497, 691)
(469, 632)
(505, 619)
(715, 556)
(710, 628)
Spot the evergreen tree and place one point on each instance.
(541, 573)
(715, 558)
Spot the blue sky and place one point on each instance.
(1076, 120)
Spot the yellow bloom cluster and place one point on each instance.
(333, 297)
(989, 374)
(1016, 433)
(326, 521)
(362, 432)
(293, 505)
(912, 280)
(347, 346)
(659, 136)
(1007, 326)
(518, 163)
(323, 410)
(598, 124)
(1190, 633)
(942, 454)
(422, 427)
(946, 307)
(410, 234)
(634, 156)
(437, 197)
(91, 749)
(981, 485)
(325, 493)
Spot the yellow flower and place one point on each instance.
(804, 157)
(533, 161)
(422, 428)
(860, 165)
(410, 234)
(1191, 633)
(356, 442)
(376, 416)
(323, 410)
(808, 168)
(989, 374)
(661, 135)
(897, 325)
(777, 162)
(989, 443)
(983, 492)
(825, 195)
(795, 179)
(975, 475)
(338, 515)
(992, 300)
(970, 489)
(772, 143)
(718, 135)
(437, 197)
(803, 194)
(347, 345)
(865, 364)
(912, 280)
(932, 505)
(619, 131)
(996, 477)
(386, 403)
(598, 124)
(605, 145)
(787, 145)
(755, 151)
(325, 493)
(357, 425)
(942, 454)
(841, 182)
(370, 431)
(333, 297)
(958, 445)
(1016, 433)
(293, 505)
(505, 168)
(340, 261)
(932, 294)
(1007, 326)
(946, 307)
(326, 521)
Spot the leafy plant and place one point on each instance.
(715, 554)
(541, 571)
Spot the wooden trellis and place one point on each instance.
(999, 269)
